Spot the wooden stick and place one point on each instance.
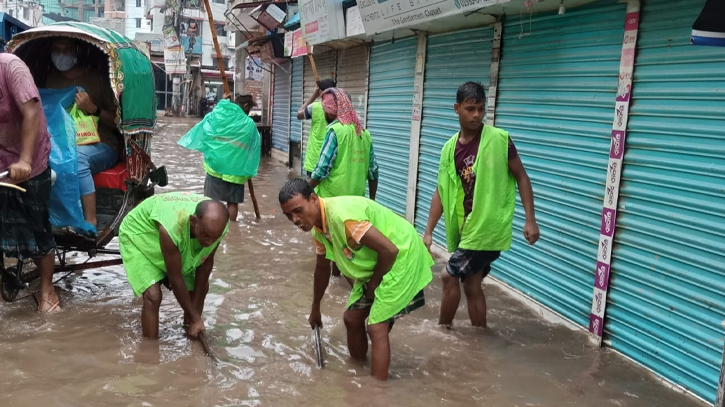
(220, 63)
(13, 186)
(254, 199)
(205, 344)
(314, 67)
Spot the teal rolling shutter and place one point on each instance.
(665, 304)
(296, 125)
(557, 90)
(451, 60)
(390, 106)
(280, 108)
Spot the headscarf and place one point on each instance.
(335, 101)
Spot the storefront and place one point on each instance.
(389, 110)
(280, 107)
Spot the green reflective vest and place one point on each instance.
(318, 131)
(411, 271)
(171, 210)
(349, 172)
(489, 225)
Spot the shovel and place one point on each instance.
(318, 347)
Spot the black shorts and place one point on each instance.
(224, 191)
(465, 263)
(25, 230)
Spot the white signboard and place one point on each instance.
(156, 41)
(354, 22)
(321, 20)
(174, 60)
(385, 15)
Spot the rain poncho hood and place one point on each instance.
(229, 140)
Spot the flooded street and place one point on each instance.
(92, 354)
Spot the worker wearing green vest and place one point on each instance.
(312, 110)
(347, 159)
(477, 178)
(373, 246)
(171, 239)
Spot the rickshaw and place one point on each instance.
(121, 187)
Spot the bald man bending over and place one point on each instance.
(171, 239)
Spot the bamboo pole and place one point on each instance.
(220, 63)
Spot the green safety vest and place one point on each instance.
(349, 172)
(318, 131)
(172, 211)
(488, 226)
(411, 271)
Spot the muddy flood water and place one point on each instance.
(92, 353)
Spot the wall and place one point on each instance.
(132, 13)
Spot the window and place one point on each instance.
(215, 62)
(138, 23)
(138, 3)
(11, 13)
(220, 30)
(219, 1)
(26, 13)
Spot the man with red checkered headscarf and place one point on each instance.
(347, 159)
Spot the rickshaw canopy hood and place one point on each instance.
(131, 73)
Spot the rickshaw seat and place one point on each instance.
(112, 178)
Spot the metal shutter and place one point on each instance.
(665, 303)
(280, 108)
(390, 106)
(557, 90)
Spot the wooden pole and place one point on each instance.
(312, 63)
(220, 63)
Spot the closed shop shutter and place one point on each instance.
(557, 90)
(665, 303)
(451, 60)
(352, 75)
(325, 64)
(390, 106)
(280, 108)
(296, 125)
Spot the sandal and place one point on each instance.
(54, 307)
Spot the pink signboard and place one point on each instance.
(299, 48)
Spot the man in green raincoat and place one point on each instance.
(171, 239)
(371, 245)
(477, 178)
(230, 141)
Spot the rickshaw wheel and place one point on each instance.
(9, 285)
